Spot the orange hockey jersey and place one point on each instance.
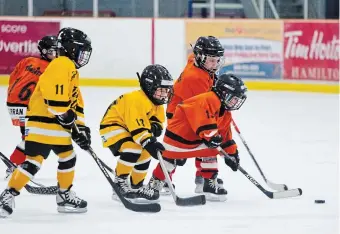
(192, 81)
(198, 118)
(22, 83)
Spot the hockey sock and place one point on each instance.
(65, 175)
(158, 172)
(25, 172)
(129, 154)
(207, 166)
(18, 156)
(198, 162)
(141, 167)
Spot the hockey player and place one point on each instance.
(56, 104)
(197, 77)
(196, 129)
(129, 129)
(22, 83)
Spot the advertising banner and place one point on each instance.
(19, 39)
(253, 49)
(311, 51)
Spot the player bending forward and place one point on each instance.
(54, 107)
(129, 129)
(197, 77)
(22, 83)
(196, 129)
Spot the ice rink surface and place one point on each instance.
(294, 137)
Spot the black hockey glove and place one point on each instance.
(153, 147)
(83, 138)
(233, 161)
(214, 141)
(67, 119)
(156, 129)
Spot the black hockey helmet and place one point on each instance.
(206, 47)
(231, 90)
(157, 83)
(48, 46)
(76, 45)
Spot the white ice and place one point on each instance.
(294, 137)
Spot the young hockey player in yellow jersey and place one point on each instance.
(129, 129)
(56, 104)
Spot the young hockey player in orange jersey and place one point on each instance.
(196, 129)
(197, 77)
(22, 83)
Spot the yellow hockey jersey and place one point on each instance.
(57, 91)
(132, 112)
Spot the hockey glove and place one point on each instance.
(153, 147)
(213, 142)
(156, 129)
(67, 119)
(83, 137)
(233, 161)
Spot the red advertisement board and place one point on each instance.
(19, 39)
(311, 51)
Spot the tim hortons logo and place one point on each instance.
(318, 49)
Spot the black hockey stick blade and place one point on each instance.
(188, 201)
(150, 207)
(272, 195)
(191, 201)
(42, 190)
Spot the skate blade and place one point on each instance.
(143, 201)
(4, 214)
(165, 193)
(215, 198)
(69, 209)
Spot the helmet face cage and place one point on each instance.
(210, 63)
(163, 93)
(231, 91)
(232, 102)
(76, 45)
(83, 56)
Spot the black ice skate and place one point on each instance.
(68, 202)
(143, 193)
(7, 202)
(122, 183)
(214, 191)
(166, 190)
(199, 181)
(159, 185)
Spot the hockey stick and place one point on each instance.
(42, 190)
(272, 195)
(278, 187)
(189, 201)
(151, 207)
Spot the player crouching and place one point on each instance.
(199, 125)
(129, 129)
